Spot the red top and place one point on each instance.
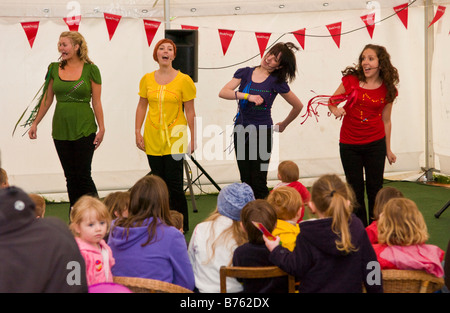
(362, 123)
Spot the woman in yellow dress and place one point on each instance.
(169, 96)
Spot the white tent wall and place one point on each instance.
(125, 58)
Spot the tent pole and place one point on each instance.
(167, 14)
(429, 47)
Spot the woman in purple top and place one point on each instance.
(145, 244)
(258, 87)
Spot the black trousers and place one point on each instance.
(368, 159)
(253, 148)
(76, 159)
(170, 169)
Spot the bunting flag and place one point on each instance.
(150, 30)
(73, 22)
(439, 13)
(263, 39)
(189, 27)
(31, 29)
(369, 20)
(112, 21)
(300, 36)
(225, 38)
(402, 13)
(335, 31)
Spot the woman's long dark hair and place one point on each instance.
(288, 63)
(388, 72)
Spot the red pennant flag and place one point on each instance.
(402, 13)
(263, 39)
(31, 29)
(300, 36)
(369, 20)
(73, 22)
(439, 12)
(112, 21)
(225, 38)
(189, 27)
(150, 30)
(335, 31)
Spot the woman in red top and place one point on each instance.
(365, 138)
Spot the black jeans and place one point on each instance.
(76, 159)
(170, 169)
(253, 148)
(369, 159)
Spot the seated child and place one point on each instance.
(383, 196)
(177, 219)
(402, 233)
(118, 203)
(90, 221)
(214, 240)
(3, 179)
(39, 202)
(288, 173)
(288, 204)
(255, 253)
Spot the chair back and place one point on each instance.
(410, 281)
(253, 272)
(147, 285)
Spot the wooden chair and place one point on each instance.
(409, 281)
(146, 285)
(253, 272)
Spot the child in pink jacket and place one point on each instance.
(402, 234)
(90, 221)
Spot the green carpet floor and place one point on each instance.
(429, 199)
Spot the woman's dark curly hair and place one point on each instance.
(388, 72)
(288, 63)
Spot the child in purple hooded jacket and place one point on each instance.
(146, 244)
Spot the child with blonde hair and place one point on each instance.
(289, 174)
(90, 221)
(332, 252)
(288, 205)
(383, 196)
(402, 233)
(214, 240)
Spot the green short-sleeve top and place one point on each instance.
(73, 117)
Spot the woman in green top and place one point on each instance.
(75, 80)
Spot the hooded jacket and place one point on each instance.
(320, 266)
(164, 258)
(36, 254)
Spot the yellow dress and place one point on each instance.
(165, 129)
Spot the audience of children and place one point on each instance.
(255, 252)
(402, 233)
(90, 221)
(214, 240)
(289, 174)
(39, 203)
(146, 244)
(117, 203)
(332, 252)
(288, 205)
(383, 196)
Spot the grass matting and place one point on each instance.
(429, 199)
